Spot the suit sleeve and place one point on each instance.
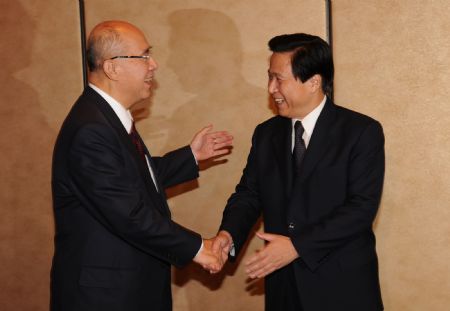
(356, 215)
(114, 194)
(243, 207)
(176, 167)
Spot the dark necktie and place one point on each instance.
(137, 142)
(299, 146)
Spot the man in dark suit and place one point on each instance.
(315, 173)
(115, 240)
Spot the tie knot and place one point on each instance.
(133, 129)
(298, 127)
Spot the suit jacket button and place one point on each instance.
(291, 226)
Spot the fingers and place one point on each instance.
(205, 130)
(220, 152)
(212, 258)
(221, 245)
(259, 265)
(220, 135)
(206, 144)
(220, 142)
(220, 139)
(265, 236)
(214, 252)
(278, 252)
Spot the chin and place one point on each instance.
(146, 94)
(283, 112)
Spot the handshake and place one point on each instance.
(214, 252)
(277, 252)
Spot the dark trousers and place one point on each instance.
(292, 298)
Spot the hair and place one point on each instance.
(311, 55)
(103, 42)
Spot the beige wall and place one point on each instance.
(40, 76)
(213, 69)
(392, 62)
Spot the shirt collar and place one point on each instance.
(309, 121)
(123, 114)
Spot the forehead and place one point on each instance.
(280, 62)
(135, 40)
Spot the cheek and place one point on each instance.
(286, 91)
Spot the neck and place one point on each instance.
(313, 104)
(107, 86)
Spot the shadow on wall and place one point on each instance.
(207, 57)
(254, 287)
(27, 142)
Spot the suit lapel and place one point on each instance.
(282, 141)
(115, 122)
(162, 195)
(320, 140)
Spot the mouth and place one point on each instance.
(148, 81)
(278, 101)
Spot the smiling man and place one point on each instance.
(114, 239)
(315, 173)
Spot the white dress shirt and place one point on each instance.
(125, 118)
(308, 122)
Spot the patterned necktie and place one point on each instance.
(299, 147)
(137, 141)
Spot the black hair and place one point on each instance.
(311, 55)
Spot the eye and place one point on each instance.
(146, 57)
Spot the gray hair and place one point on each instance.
(103, 43)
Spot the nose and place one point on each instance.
(152, 64)
(273, 86)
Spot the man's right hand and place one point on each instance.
(208, 259)
(222, 244)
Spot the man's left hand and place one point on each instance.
(207, 144)
(276, 254)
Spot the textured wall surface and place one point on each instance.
(392, 62)
(40, 75)
(213, 59)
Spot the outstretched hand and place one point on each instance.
(276, 254)
(207, 144)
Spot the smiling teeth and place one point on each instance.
(278, 100)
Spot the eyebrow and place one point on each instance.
(147, 50)
(273, 73)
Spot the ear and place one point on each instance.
(316, 82)
(110, 68)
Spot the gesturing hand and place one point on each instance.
(207, 144)
(276, 254)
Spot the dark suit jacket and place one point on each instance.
(327, 211)
(115, 239)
